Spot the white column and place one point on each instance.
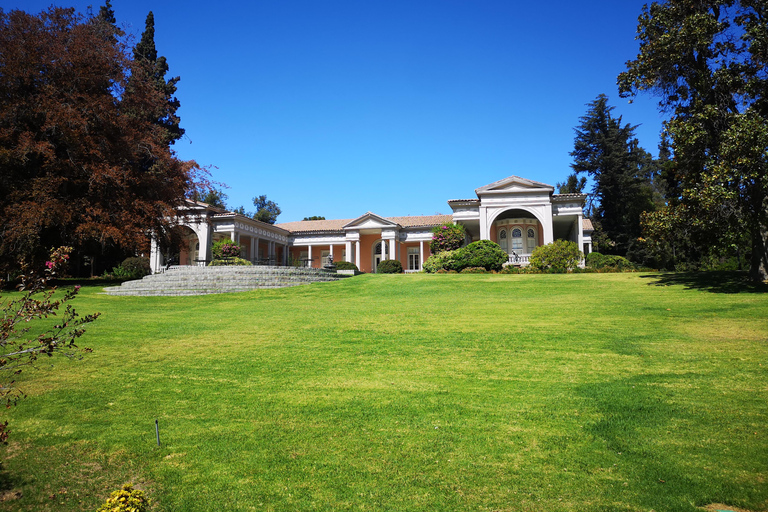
(155, 257)
(392, 253)
(580, 237)
(309, 255)
(349, 251)
(204, 237)
(357, 253)
(485, 231)
(421, 253)
(234, 236)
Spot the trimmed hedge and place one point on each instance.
(609, 262)
(559, 256)
(483, 253)
(229, 261)
(346, 265)
(446, 260)
(389, 267)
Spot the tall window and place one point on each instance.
(531, 239)
(414, 258)
(324, 257)
(517, 239)
(503, 239)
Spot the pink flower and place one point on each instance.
(49, 264)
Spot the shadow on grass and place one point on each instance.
(652, 437)
(715, 282)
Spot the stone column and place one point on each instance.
(357, 253)
(155, 256)
(204, 237)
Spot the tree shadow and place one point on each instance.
(714, 281)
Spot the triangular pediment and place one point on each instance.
(514, 184)
(371, 221)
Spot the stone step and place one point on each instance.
(189, 280)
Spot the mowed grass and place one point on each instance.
(586, 392)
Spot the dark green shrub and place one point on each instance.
(482, 253)
(137, 266)
(345, 265)
(126, 499)
(447, 237)
(446, 260)
(389, 267)
(609, 262)
(594, 260)
(559, 256)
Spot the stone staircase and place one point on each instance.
(191, 280)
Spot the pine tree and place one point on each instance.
(153, 69)
(622, 173)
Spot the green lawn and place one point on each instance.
(593, 392)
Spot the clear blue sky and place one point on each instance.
(336, 108)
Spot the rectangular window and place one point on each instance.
(324, 257)
(303, 255)
(517, 244)
(414, 258)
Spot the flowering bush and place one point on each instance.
(126, 499)
(447, 237)
(225, 248)
(19, 348)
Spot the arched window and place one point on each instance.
(517, 239)
(503, 239)
(531, 239)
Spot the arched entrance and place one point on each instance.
(185, 247)
(518, 232)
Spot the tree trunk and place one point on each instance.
(758, 268)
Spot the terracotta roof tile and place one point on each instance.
(315, 226)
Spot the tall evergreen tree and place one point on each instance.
(153, 69)
(572, 185)
(622, 173)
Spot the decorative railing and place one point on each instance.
(519, 259)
